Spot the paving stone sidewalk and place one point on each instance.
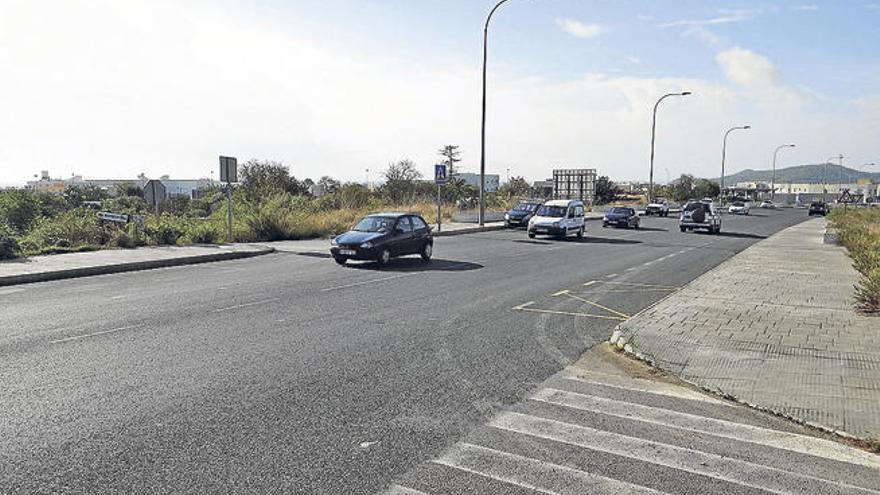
(774, 327)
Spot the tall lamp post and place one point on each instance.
(483, 124)
(653, 138)
(825, 174)
(724, 152)
(773, 179)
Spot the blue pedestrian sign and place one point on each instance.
(440, 174)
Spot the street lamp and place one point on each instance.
(773, 179)
(483, 124)
(653, 137)
(724, 152)
(825, 174)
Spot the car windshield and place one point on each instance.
(526, 207)
(659, 200)
(375, 224)
(739, 203)
(552, 211)
(621, 211)
(693, 206)
(816, 203)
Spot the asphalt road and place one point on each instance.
(289, 373)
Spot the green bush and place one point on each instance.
(74, 230)
(19, 208)
(859, 230)
(204, 233)
(9, 248)
(165, 230)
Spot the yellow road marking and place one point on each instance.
(606, 308)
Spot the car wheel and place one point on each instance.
(427, 251)
(531, 235)
(636, 226)
(384, 257)
(604, 225)
(580, 234)
(340, 260)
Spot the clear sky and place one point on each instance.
(112, 88)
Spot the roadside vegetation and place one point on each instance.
(269, 204)
(859, 231)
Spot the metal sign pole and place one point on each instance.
(438, 208)
(229, 237)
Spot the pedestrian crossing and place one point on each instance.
(608, 433)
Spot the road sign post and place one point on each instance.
(154, 194)
(439, 179)
(228, 174)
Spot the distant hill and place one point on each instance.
(811, 174)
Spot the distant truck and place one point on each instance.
(659, 207)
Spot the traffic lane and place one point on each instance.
(456, 367)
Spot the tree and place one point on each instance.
(263, 178)
(606, 190)
(128, 189)
(683, 188)
(400, 182)
(19, 208)
(451, 155)
(457, 191)
(329, 184)
(705, 188)
(516, 187)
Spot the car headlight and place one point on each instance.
(333, 242)
(507, 216)
(605, 218)
(367, 245)
(556, 224)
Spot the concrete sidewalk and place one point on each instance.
(773, 327)
(73, 265)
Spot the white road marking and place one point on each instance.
(94, 334)
(716, 466)
(718, 427)
(245, 305)
(649, 387)
(365, 282)
(118, 297)
(403, 490)
(532, 474)
(611, 275)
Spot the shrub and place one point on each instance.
(204, 233)
(19, 208)
(165, 230)
(859, 230)
(9, 247)
(74, 230)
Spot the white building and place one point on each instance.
(173, 187)
(493, 181)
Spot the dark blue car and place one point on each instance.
(383, 236)
(519, 215)
(621, 216)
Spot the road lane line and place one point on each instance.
(532, 474)
(611, 275)
(606, 308)
(365, 282)
(710, 426)
(670, 287)
(563, 291)
(693, 461)
(245, 305)
(93, 334)
(403, 490)
(523, 305)
(591, 282)
(568, 313)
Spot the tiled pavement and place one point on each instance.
(774, 326)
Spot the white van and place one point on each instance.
(559, 218)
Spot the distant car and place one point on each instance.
(659, 207)
(738, 208)
(818, 208)
(620, 216)
(767, 204)
(558, 218)
(383, 236)
(700, 215)
(519, 215)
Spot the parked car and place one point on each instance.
(738, 208)
(659, 207)
(818, 208)
(558, 218)
(383, 236)
(519, 215)
(621, 217)
(767, 204)
(700, 215)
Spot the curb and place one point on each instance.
(473, 230)
(30, 278)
